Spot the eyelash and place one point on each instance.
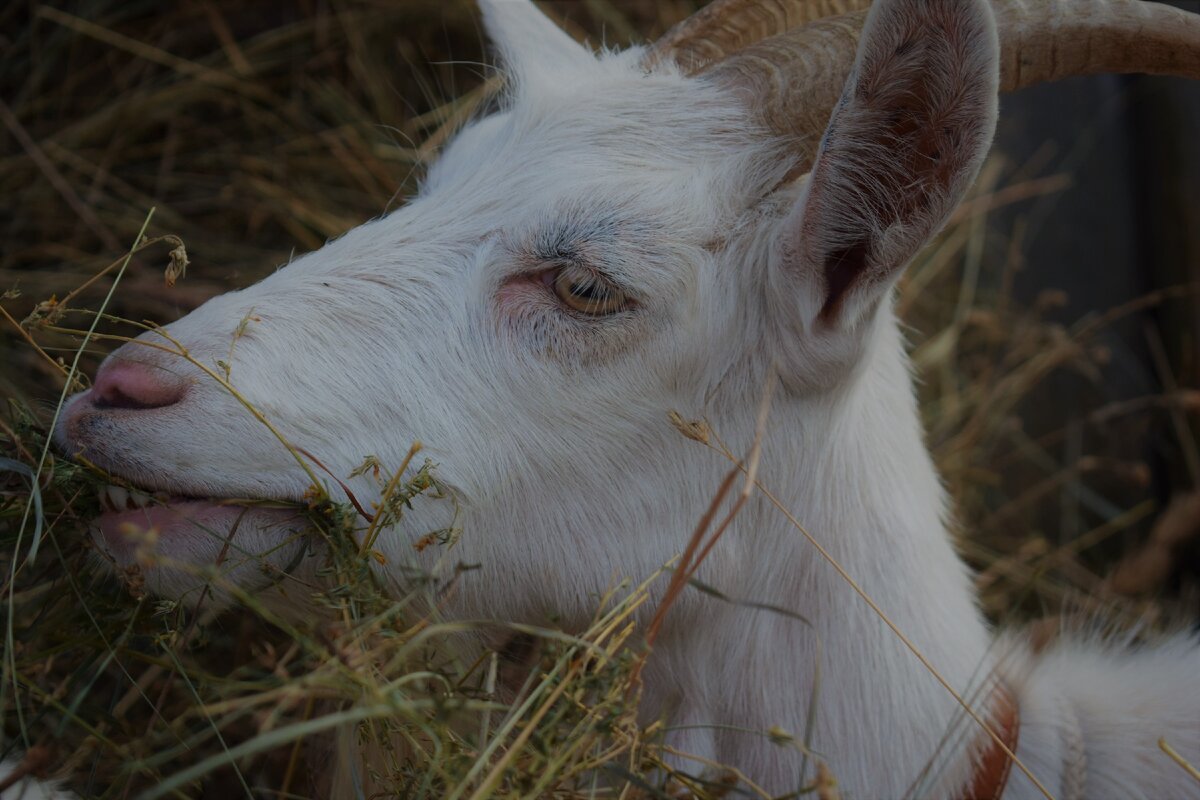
(583, 291)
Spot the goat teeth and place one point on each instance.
(117, 497)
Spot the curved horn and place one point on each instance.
(723, 27)
(1046, 41)
(796, 77)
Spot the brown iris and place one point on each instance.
(584, 291)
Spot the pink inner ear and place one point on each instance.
(902, 148)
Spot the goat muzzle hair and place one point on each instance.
(793, 56)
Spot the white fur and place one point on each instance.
(551, 434)
(29, 788)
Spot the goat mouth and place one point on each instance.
(130, 516)
(115, 499)
(118, 499)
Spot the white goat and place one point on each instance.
(657, 229)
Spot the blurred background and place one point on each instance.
(1053, 328)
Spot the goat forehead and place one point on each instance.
(648, 150)
(604, 214)
(643, 128)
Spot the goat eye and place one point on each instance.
(587, 293)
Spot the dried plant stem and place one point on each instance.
(1178, 759)
(82, 209)
(373, 531)
(10, 664)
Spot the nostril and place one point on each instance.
(115, 397)
(125, 384)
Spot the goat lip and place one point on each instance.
(124, 527)
(137, 492)
(152, 514)
(136, 518)
(182, 521)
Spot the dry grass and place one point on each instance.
(255, 134)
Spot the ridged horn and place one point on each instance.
(723, 27)
(796, 76)
(1046, 41)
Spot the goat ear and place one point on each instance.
(529, 42)
(904, 144)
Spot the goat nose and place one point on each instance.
(126, 384)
